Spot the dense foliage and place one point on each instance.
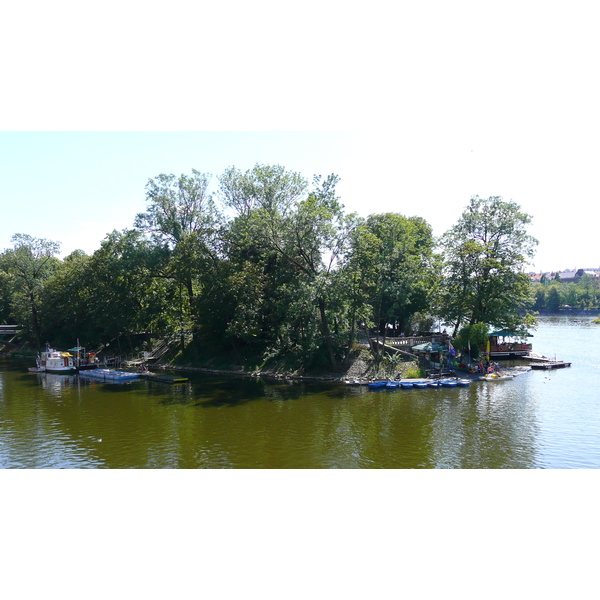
(554, 295)
(268, 266)
(485, 257)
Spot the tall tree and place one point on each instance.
(485, 256)
(298, 237)
(397, 267)
(183, 220)
(31, 262)
(268, 187)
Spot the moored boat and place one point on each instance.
(377, 385)
(448, 383)
(84, 361)
(495, 377)
(392, 385)
(54, 361)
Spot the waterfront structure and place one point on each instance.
(508, 344)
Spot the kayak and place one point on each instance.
(448, 383)
(377, 385)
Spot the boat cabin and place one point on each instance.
(509, 344)
(55, 361)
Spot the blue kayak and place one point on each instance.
(448, 383)
(406, 385)
(377, 385)
(392, 385)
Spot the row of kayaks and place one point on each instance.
(407, 385)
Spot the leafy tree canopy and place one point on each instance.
(485, 255)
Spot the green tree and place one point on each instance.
(396, 259)
(268, 187)
(471, 339)
(553, 299)
(6, 296)
(570, 295)
(182, 221)
(31, 263)
(485, 256)
(111, 295)
(540, 298)
(589, 289)
(299, 242)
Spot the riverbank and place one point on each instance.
(362, 366)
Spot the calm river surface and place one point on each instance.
(538, 420)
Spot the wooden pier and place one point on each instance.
(12, 331)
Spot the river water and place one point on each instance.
(540, 419)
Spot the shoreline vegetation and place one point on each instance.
(363, 366)
(270, 274)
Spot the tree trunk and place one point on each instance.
(36, 321)
(326, 334)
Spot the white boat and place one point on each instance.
(54, 361)
(495, 377)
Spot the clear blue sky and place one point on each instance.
(415, 113)
(75, 187)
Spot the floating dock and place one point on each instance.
(539, 362)
(163, 378)
(551, 364)
(108, 375)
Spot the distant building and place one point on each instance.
(575, 276)
(569, 276)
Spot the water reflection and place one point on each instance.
(537, 420)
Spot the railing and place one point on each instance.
(409, 342)
(10, 329)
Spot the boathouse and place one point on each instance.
(509, 344)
